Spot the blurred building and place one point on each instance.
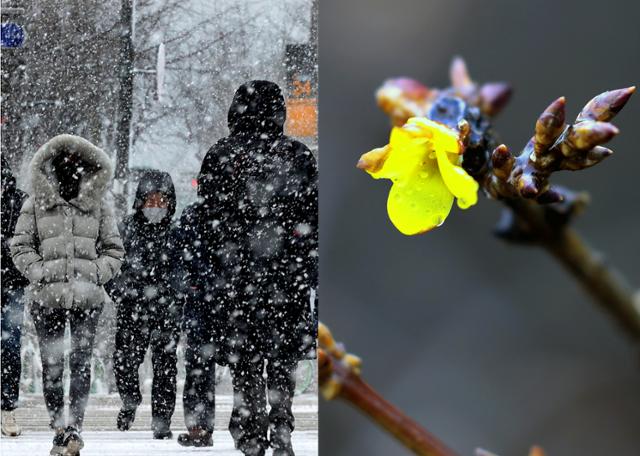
(301, 91)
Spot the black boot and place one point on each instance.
(283, 452)
(253, 446)
(161, 429)
(196, 437)
(58, 443)
(252, 450)
(73, 442)
(281, 441)
(126, 417)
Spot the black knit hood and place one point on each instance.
(155, 181)
(258, 108)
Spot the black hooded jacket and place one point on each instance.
(147, 271)
(12, 199)
(258, 216)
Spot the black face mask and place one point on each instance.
(69, 170)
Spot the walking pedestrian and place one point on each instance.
(148, 312)
(67, 244)
(207, 276)
(267, 184)
(13, 285)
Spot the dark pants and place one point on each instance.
(12, 316)
(139, 329)
(50, 326)
(200, 384)
(249, 419)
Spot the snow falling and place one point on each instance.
(159, 226)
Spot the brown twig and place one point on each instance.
(339, 376)
(600, 279)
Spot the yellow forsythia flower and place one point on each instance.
(423, 160)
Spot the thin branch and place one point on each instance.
(607, 286)
(339, 376)
(210, 43)
(193, 28)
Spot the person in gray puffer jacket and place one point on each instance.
(67, 244)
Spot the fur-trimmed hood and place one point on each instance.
(45, 185)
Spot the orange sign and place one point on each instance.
(301, 89)
(302, 116)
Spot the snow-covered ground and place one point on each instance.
(102, 439)
(138, 443)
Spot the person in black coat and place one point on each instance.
(13, 285)
(206, 273)
(259, 190)
(148, 310)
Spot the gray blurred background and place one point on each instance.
(486, 344)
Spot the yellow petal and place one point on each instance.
(441, 136)
(463, 186)
(419, 201)
(400, 157)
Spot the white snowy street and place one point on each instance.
(139, 443)
(102, 439)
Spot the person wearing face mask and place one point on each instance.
(148, 312)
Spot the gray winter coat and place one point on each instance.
(67, 249)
